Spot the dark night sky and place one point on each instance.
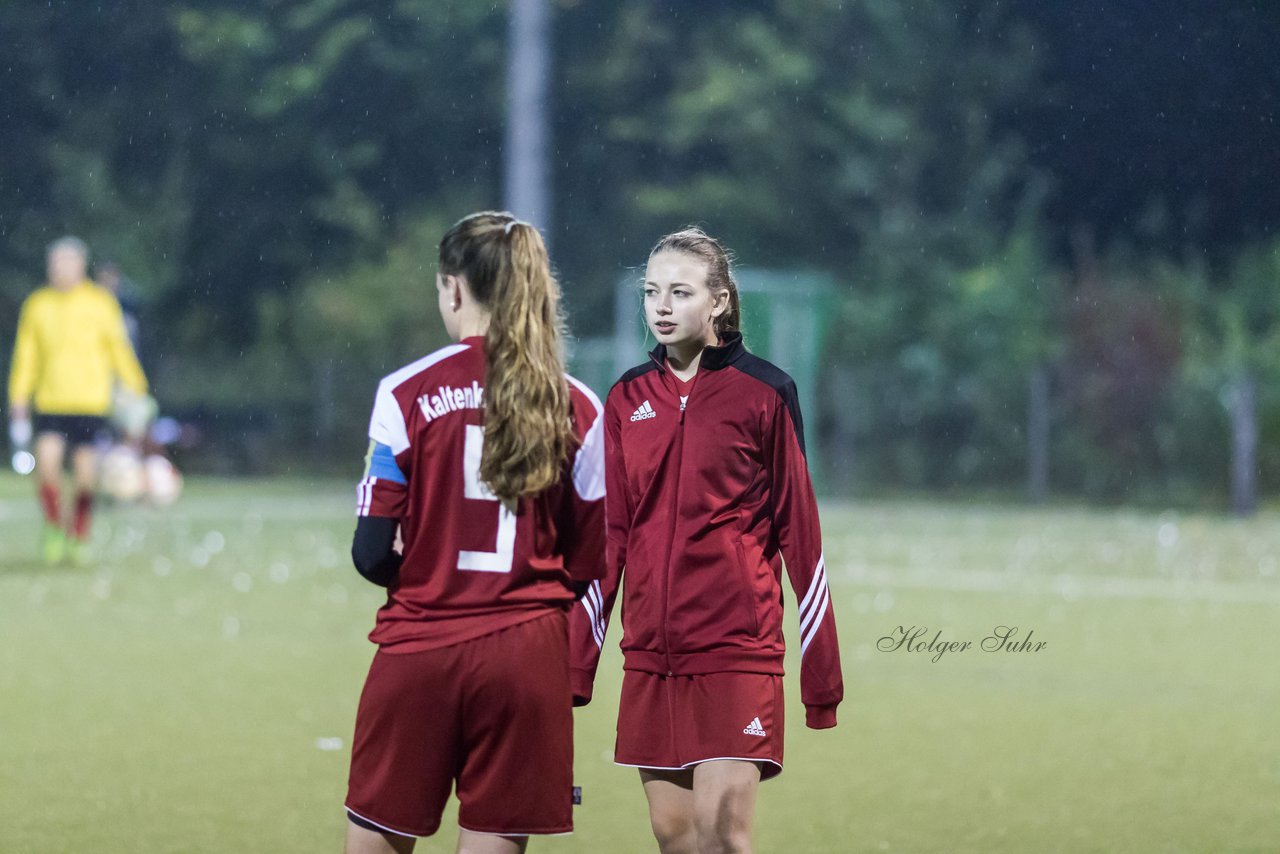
(1169, 106)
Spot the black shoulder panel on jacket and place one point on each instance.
(638, 370)
(778, 380)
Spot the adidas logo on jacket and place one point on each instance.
(643, 411)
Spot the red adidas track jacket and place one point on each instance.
(703, 507)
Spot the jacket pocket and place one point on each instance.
(747, 575)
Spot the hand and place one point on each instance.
(19, 428)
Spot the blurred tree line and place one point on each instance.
(1054, 223)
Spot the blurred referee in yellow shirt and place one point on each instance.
(71, 347)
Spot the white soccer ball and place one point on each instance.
(164, 481)
(121, 475)
(24, 462)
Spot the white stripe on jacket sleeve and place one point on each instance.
(814, 606)
(593, 601)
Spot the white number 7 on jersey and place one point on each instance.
(500, 559)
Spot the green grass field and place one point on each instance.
(195, 691)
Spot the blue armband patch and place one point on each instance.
(381, 463)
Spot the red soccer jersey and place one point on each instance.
(705, 504)
(471, 565)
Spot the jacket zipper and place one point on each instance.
(671, 536)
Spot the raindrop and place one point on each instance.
(242, 582)
(1027, 546)
(231, 628)
(331, 743)
(162, 566)
(214, 542)
(279, 572)
(1069, 587)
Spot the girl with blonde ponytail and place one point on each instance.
(487, 459)
(527, 430)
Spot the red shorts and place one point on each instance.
(493, 714)
(670, 722)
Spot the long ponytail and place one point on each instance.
(527, 432)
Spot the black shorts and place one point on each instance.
(76, 429)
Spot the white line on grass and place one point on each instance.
(1068, 586)
(204, 508)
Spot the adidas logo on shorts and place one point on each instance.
(643, 411)
(755, 727)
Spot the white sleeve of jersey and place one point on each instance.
(387, 423)
(588, 467)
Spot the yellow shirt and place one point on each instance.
(70, 346)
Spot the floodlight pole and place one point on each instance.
(527, 191)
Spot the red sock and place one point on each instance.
(50, 502)
(84, 511)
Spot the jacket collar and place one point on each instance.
(713, 358)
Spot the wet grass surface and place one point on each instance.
(194, 689)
